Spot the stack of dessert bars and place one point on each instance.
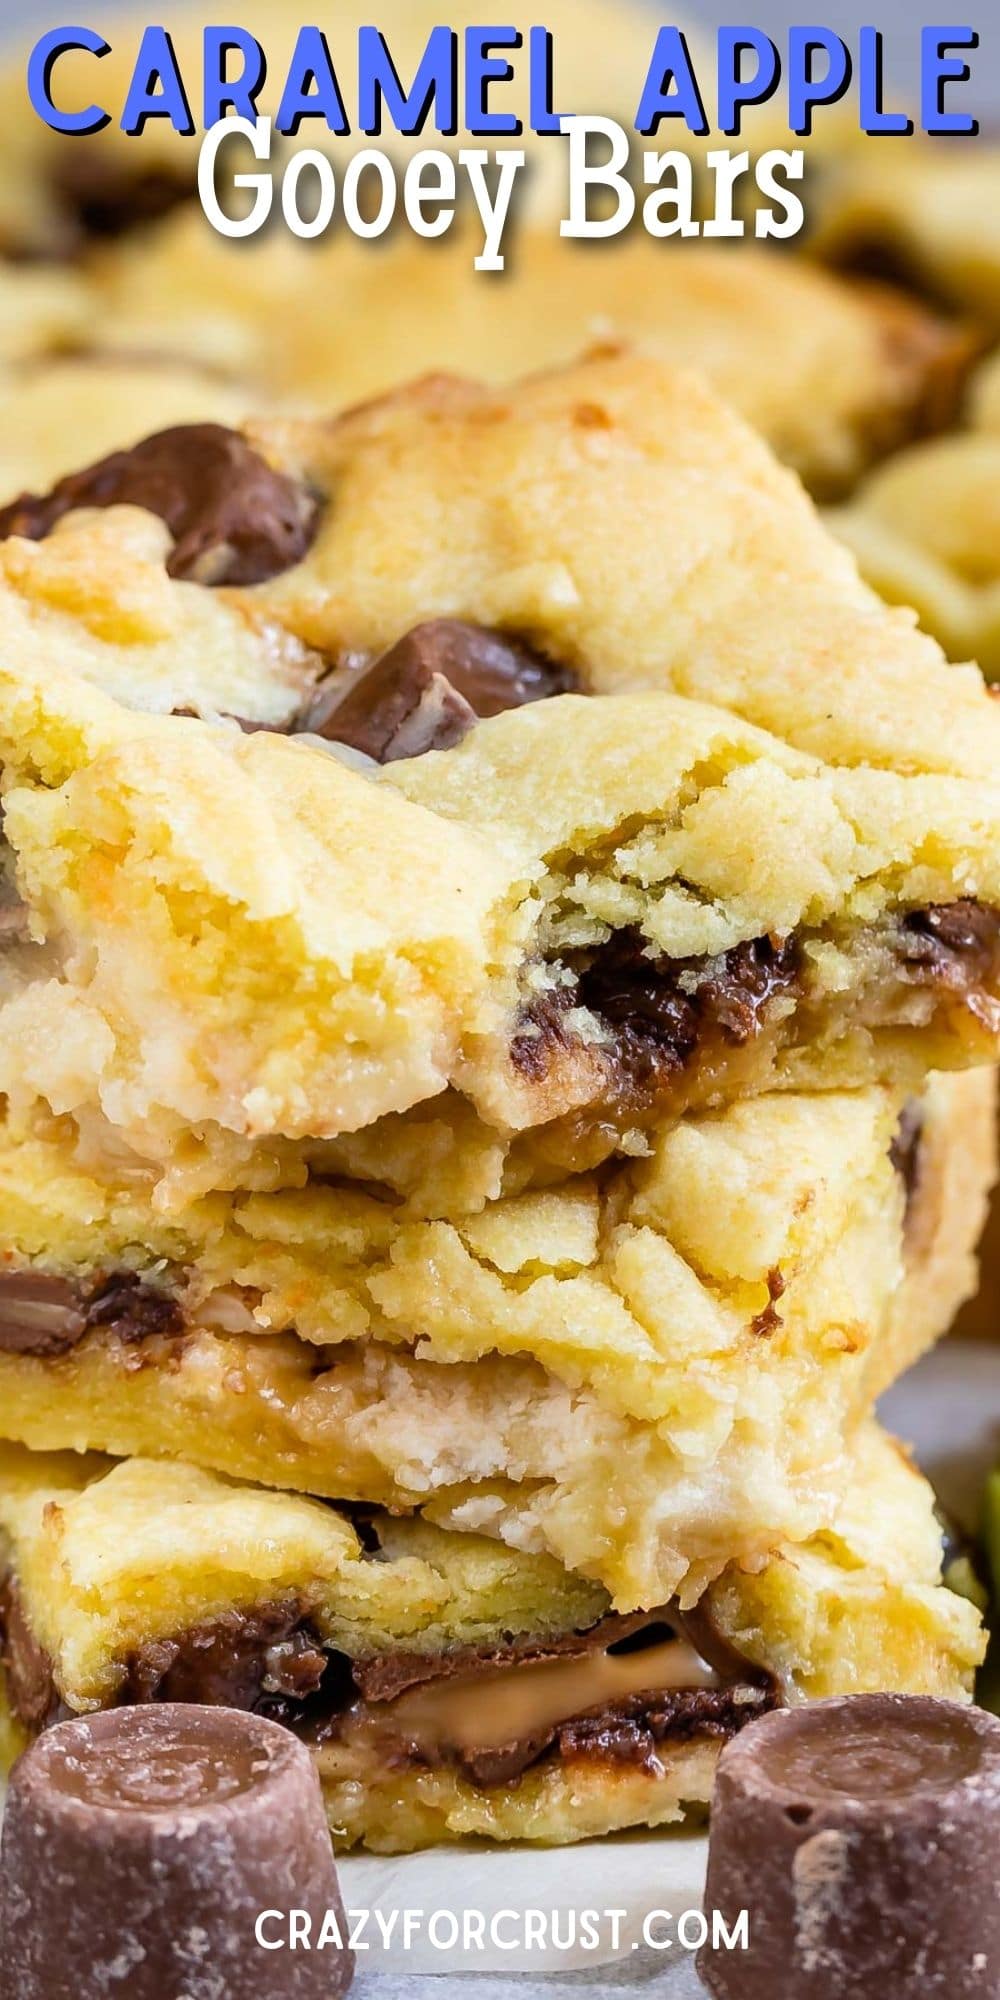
(500, 991)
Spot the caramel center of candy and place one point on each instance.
(485, 1710)
(864, 1761)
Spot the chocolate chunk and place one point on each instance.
(45, 1315)
(39, 1314)
(234, 519)
(938, 361)
(134, 1310)
(879, 257)
(412, 717)
(505, 1763)
(31, 1687)
(139, 1849)
(906, 1151)
(106, 197)
(430, 688)
(634, 1732)
(660, 1010)
(860, 1836)
(955, 945)
(242, 1659)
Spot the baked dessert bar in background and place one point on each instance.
(646, 1373)
(834, 373)
(44, 311)
(927, 220)
(448, 1686)
(60, 411)
(925, 528)
(985, 399)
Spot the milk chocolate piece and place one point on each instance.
(234, 519)
(140, 1847)
(46, 1315)
(955, 945)
(40, 1313)
(861, 1837)
(430, 689)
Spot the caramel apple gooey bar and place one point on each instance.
(499, 1010)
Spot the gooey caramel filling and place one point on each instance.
(484, 1710)
(621, 1692)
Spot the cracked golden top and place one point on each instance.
(657, 902)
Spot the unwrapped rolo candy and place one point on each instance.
(141, 1846)
(861, 1838)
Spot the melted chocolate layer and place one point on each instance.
(389, 1674)
(659, 1010)
(270, 1660)
(661, 1014)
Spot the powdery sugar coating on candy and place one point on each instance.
(860, 1837)
(140, 1846)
